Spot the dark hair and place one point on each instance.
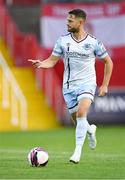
(78, 13)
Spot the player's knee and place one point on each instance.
(82, 112)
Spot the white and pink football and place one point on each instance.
(38, 157)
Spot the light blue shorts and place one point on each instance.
(74, 95)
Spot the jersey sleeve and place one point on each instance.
(100, 50)
(57, 50)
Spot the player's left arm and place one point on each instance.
(107, 75)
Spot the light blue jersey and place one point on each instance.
(79, 58)
(79, 80)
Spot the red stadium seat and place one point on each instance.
(26, 2)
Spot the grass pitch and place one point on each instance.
(106, 162)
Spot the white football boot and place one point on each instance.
(75, 158)
(92, 137)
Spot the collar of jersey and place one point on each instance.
(79, 40)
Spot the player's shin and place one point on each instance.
(89, 129)
(81, 130)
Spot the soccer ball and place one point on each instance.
(38, 157)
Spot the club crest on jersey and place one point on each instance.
(87, 46)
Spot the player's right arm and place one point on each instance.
(47, 63)
(52, 59)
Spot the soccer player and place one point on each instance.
(79, 51)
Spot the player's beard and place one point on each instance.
(73, 30)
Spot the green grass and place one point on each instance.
(106, 162)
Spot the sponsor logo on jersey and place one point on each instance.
(76, 54)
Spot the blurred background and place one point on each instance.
(31, 99)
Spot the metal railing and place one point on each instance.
(12, 96)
